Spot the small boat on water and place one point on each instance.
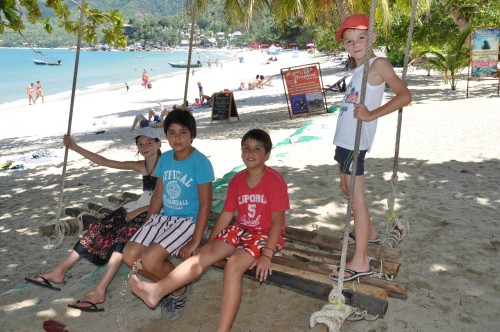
(184, 65)
(48, 63)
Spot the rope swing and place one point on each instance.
(336, 311)
(63, 227)
(397, 228)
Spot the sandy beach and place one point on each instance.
(449, 166)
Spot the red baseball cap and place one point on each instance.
(358, 21)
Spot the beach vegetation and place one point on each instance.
(15, 15)
(159, 24)
(451, 59)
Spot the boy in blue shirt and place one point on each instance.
(178, 211)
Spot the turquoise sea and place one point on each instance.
(97, 69)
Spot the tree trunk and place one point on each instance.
(460, 20)
(343, 8)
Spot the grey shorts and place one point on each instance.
(172, 233)
(344, 157)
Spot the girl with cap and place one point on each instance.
(104, 241)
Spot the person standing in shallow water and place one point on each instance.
(39, 92)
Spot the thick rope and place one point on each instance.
(335, 313)
(402, 226)
(59, 229)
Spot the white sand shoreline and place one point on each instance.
(448, 191)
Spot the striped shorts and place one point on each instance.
(172, 233)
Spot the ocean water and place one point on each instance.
(96, 70)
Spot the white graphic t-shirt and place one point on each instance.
(345, 132)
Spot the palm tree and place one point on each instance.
(452, 59)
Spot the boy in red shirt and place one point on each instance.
(260, 195)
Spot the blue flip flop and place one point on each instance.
(353, 274)
(44, 283)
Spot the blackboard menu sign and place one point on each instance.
(223, 106)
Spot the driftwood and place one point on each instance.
(304, 264)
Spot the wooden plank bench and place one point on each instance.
(303, 265)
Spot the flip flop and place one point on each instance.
(44, 283)
(91, 308)
(353, 274)
(352, 240)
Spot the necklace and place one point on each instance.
(146, 165)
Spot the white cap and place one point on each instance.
(148, 132)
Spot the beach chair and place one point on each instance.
(269, 81)
(339, 86)
(266, 82)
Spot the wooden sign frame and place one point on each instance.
(304, 89)
(223, 106)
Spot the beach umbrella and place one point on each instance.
(310, 45)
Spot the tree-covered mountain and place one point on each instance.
(140, 8)
(132, 10)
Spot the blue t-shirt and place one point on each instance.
(180, 182)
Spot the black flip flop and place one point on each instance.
(45, 283)
(352, 240)
(353, 274)
(92, 308)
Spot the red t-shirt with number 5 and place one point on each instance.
(255, 205)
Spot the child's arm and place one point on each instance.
(156, 202)
(222, 222)
(383, 72)
(264, 262)
(133, 214)
(100, 160)
(205, 197)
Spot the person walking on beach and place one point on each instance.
(354, 35)
(30, 90)
(104, 241)
(178, 211)
(145, 79)
(39, 92)
(259, 194)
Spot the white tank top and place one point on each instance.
(345, 134)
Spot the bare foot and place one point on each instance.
(52, 276)
(145, 290)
